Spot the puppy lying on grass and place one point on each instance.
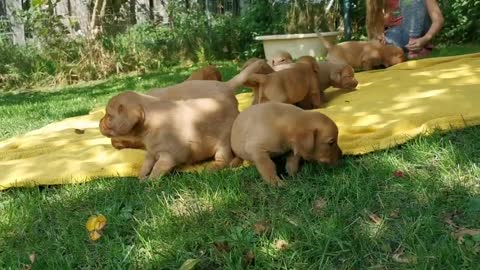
(363, 54)
(271, 129)
(206, 73)
(177, 125)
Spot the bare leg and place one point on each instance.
(165, 163)
(292, 164)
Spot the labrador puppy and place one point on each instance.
(281, 58)
(270, 129)
(206, 73)
(289, 85)
(173, 132)
(264, 69)
(363, 54)
(330, 74)
(192, 89)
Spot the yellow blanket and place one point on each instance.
(389, 107)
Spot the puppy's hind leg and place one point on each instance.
(165, 163)
(146, 167)
(223, 157)
(266, 168)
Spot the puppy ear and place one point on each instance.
(303, 143)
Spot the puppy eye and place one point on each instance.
(331, 142)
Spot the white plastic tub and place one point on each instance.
(297, 44)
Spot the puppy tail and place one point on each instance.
(245, 75)
(324, 42)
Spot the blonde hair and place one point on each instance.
(375, 18)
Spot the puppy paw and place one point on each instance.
(142, 178)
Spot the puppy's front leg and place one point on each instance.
(266, 168)
(164, 165)
(147, 166)
(316, 98)
(292, 164)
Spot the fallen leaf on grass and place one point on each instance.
(399, 173)
(222, 246)
(395, 213)
(261, 227)
(462, 232)
(189, 264)
(375, 219)
(281, 244)
(449, 220)
(32, 257)
(95, 225)
(319, 204)
(249, 258)
(402, 258)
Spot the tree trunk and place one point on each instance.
(160, 12)
(81, 14)
(142, 11)
(62, 9)
(18, 30)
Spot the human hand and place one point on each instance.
(415, 45)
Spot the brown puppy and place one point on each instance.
(330, 74)
(363, 54)
(271, 129)
(289, 85)
(264, 69)
(192, 89)
(281, 58)
(173, 132)
(206, 73)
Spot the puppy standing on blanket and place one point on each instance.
(289, 85)
(271, 129)
(363, 54)
(330, 74)
(177, 131)
(188, 90)
(264, 69)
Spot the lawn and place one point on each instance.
(392, 209)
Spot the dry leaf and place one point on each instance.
(402, 258)
(319, 204)
(32, 257)
(189, 264)
(449, 220)
(261, 227)
(94, 235)
(395, 213)
(222, 246)
(375, 219)
(249, 258)
(399, 173)
(95, 225)
(79, 131)
(462, 232)
(281, 244)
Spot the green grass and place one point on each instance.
(211, 216)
